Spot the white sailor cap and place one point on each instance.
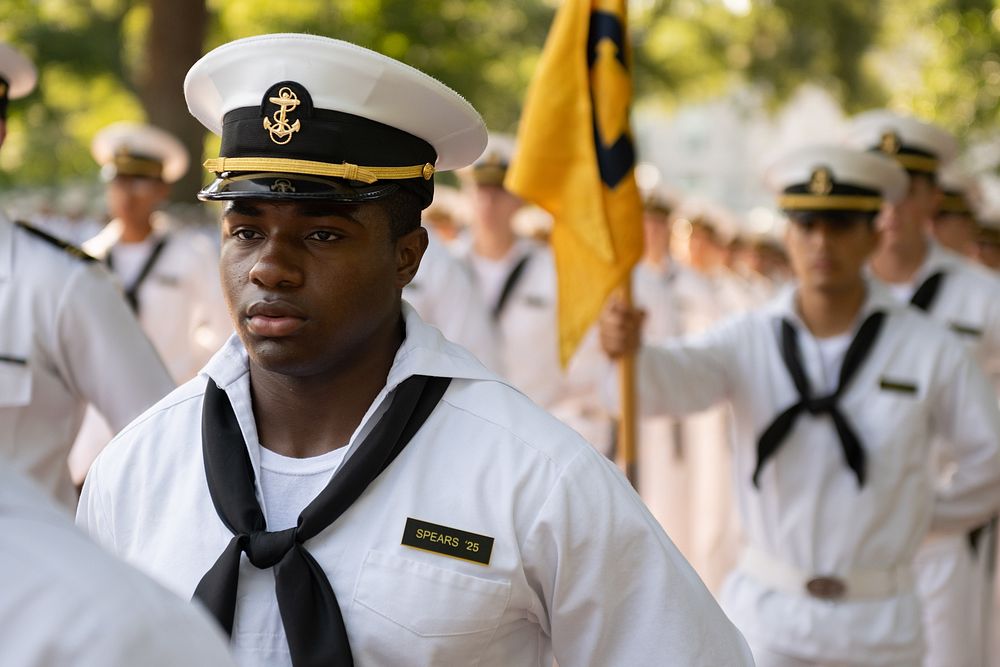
(835, 178)
(137, 149)
(918, 146)
(308, 117)
(17, 76)
(490, 168)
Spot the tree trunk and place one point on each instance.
(175, 41)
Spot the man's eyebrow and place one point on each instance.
(242, 207)
(330, 210)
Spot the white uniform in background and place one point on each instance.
(692, 505)
(180, 308)
(67, 339)
(523, 310)
(952, 574)
(809, 518)
(578, 568)
(66, 602)
(445, 296)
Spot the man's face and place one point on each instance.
(495, 208)
(134, 198)
(656, 230)
(907, 219)
(829, 254)
(310, 285)
(956, 231)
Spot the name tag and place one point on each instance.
(965, 330)
(535, 301)
(167, 281)
(447, 541)
(896, 385)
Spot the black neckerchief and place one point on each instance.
(309, 610)
(775, 434)
(132, 291)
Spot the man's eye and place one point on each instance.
(245, 234)
(323, 235)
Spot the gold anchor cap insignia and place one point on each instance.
(821, 181)
(282, 185)
(281, 130)
(889, 143)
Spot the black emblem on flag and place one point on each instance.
(606, 41)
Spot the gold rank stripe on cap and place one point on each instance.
(804, 202)
(130, 165)
(921, 163)
(345, 170)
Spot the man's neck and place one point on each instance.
(494, 245)
(900, 262)
(304, 416)
(827, 312)
(135, 231)
(657, 260)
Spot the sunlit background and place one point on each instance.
(721, 85)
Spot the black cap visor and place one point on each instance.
(292, 187)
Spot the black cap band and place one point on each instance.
(286, 126)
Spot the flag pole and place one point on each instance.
(626, 387)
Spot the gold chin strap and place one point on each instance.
(350, 172)
(829, 203)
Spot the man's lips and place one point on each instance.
(274, 319)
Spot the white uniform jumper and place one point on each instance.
(67, 602)
(809, 518)
(67, 339)
(577, 569)
(952, 573)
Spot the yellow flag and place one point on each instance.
(575, 158)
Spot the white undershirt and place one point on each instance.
(491, 274)
(831, 353)
(129, 258)
(289, 484)
(902, 292)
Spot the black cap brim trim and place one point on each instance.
(277, 186)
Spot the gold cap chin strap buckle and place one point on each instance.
(345, 170)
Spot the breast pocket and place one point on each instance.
(15, 381)
(415, 613)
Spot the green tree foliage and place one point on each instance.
(935, 58)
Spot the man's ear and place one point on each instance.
(410, 249)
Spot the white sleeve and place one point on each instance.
(181, 634)
(615, 589)
(687, 375)
(966, 416)
(210, 323)
(91, 512)
(103, 352)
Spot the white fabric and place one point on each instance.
(444, 295)
(527, 334)
(339, 76)
(683, 462)
(129, 258)
(66, 602)
(830, 352)
(849, 166)
(181, 310)
(951, 594)
(288, 484)
(67, 321)
(809, 511)
(579, 568)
